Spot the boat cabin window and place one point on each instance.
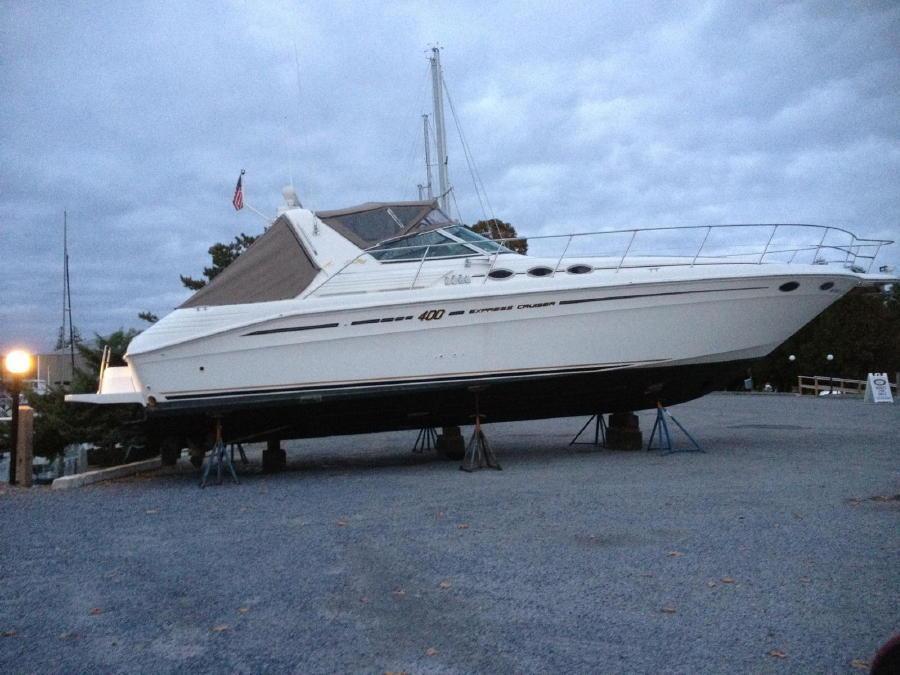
(414, 247)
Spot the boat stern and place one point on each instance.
(117, 387)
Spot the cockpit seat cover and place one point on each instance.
(275, 267)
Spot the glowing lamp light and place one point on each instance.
(18, 362)
(830, 357)
(792, 358)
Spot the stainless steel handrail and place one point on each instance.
(852, 251)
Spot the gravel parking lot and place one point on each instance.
(775, 551)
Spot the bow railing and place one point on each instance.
(676, 246)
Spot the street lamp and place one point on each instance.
(17, 363)
(830, 359)
(792, 359)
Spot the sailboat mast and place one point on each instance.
(437, 92)
(428, 182)
(67, 293)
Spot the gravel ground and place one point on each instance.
(776, 551)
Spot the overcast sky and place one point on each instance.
(138, 117)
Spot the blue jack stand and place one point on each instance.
(599, 432)
(426, 440)
(220, 457)
(662, 427)
(240, 449)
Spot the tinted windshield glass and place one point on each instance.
(414, 247)
(437, 217)
(483, 243)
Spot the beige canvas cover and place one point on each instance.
(371, 223)
(275, 267)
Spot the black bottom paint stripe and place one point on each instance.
(388, 383)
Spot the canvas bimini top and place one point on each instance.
(277, 266)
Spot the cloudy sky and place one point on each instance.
(137, 118)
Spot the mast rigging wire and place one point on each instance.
(470, 160)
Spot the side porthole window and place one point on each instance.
(827, 286)
(540, 272)
(500, 274)
(789, 286)
(580, 269)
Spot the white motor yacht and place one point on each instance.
(387, 315)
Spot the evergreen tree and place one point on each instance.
(861, 331)
(222, 256)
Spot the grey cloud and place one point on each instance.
(137, 117)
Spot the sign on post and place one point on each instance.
(878, 389)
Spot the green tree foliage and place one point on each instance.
(494, 228)
(222, 256)
(112, 428)
(861, 330)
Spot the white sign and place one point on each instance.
(878, 389)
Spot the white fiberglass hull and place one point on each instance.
(465, 339)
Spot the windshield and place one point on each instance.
(481, 242)
(431, 244)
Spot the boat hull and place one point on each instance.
(537, 355)
(392, 408)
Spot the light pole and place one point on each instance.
(793, 359)
(17, 363)
(830, 359)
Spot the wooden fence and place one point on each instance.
(816, 384)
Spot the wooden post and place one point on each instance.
(25, 446)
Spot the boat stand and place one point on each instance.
(426, 440)
(240, 449)
(478, 452)
(220, 457)
(599, 432)
(662, 428)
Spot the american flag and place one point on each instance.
(238, 200)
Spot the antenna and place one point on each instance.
(299, 106)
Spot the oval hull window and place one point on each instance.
(500, 274)
(789, 286)
(580, 269)
(540, 272)
(827, 286)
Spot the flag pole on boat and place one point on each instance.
(239, 202)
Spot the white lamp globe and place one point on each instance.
(18, 362)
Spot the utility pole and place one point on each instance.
(437, 93)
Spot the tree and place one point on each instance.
(494, 228)
(113, 429)
(222, 256)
